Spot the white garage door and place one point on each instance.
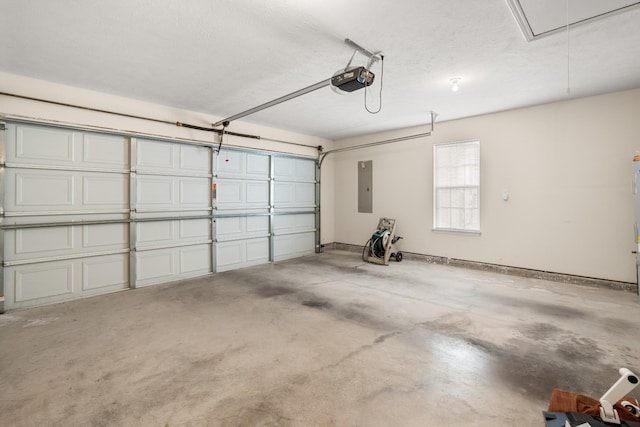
(241, 190)
(294, 202)
(59, 176)
(172, 206)
(88, 213)
(265, 208)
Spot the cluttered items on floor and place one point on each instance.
(615, 408)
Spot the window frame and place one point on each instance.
(436, 187)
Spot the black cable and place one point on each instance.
(364, 250)
(184, 125)
(365, 89)
(224, 130)
(219, 131)
(377, 246)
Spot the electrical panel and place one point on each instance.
(365, 186)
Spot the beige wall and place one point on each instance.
(28, 109)
(567, 167)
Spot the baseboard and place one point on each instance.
(504, 269)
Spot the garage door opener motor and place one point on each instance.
(381, 246)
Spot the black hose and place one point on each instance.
(365, 249)
(377, 246)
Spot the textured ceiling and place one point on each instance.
(223, 57)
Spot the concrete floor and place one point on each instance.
(323, 340)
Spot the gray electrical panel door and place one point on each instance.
(365, 186)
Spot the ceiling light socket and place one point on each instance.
(455, 81)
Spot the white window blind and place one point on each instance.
(457, 186)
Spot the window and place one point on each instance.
(456, 182)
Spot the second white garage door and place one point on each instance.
(264, 208)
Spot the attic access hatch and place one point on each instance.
(539, 18)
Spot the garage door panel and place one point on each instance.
(156, 264)
(230, 255)
(238, 164)
(154, 232)
(293, 169)
(242, 253)
(43, 280)
(257, 224)
(194, 158)
(40, 189)
(229, 163)
(155, 191)
(39, 145)
(243, 195)
(293, 245)
(107, 271)
(194, 192)
(105, 236)
(241, 227)
(230, 226)
(154, 155)
(256, 251)
(105, 191)
(257, 165)
(39, 241)
(169, 264)
(172, 192)
(105, 151)
(195, 259)
(172, 158)
(305, 170)
(294, 194)
(283, 194)
(173, 232)
(305, 194)
(294, 223)
(194, 229)
(31, 285)
(49, 191)
(229, 193)
(257, 193)
(42, 242)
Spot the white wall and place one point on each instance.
(17, 107)
(566, 165)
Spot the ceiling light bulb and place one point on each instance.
(454, 83)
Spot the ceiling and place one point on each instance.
(222, 57)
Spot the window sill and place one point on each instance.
(457, 231)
